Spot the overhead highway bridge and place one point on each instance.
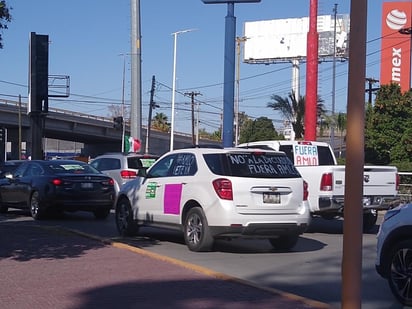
(96, 133)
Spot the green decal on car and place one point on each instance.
(151, 190)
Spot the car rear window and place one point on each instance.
(322, 156)
(136, 162)
(252, 164)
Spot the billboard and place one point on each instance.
(395, 46)
(285, 39)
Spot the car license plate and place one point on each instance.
(271, 198)
(86, 185)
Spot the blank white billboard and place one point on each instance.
(286, 39)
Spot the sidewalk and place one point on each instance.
(48, 268)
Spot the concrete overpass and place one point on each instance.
(96, 133)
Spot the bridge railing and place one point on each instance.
(57, 110)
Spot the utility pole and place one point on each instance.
(152, 105)
(193, 95)
(332, 131)
(239, 40)
(370, 89)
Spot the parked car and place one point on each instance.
(211, 193)
(394, 252)
(122, 167)
(56, 186)
(7, 167)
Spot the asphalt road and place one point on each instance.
(312, 269)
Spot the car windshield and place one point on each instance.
(252, 164)
(8, 168)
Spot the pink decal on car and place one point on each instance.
(173, 194)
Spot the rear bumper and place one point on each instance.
(67, 203)
(336, 203)
(259, 230)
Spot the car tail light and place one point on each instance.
(223, 188)
(109, 182)
(57, 182)
(128, 174)
(326, 182)
(305, 191)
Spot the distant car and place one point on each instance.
(122, 167)
(394, 252)
(56, 186)
(211, 193)
(9, 166)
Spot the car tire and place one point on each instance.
(101, 213)
(399, 274)
(3, 208)
(369, 220)
(197, 233)
(125, 223)
(36, 210)
(285, 242)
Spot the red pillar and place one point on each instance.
(311, 74)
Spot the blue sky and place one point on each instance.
(88, 37)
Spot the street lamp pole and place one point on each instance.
(172, 128)
(123, 108)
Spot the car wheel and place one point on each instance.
(101, 213)
(369, 220)
(400, 272)
(196, 231)
(125, 223)
(285, 242)
(3, 208)
(35, 209)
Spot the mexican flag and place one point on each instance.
(131, 144)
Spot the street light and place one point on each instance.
(172, 129)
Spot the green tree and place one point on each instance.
(388, 132)
(160, 122)
(294, 110)
(5, 17)
(341, 121)
(258, 130)
(215, 136)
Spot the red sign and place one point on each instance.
(396, 47)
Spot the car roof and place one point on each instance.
(220, 150)
(130, 154)
(284, 142)
(13, 162)
(58, 161)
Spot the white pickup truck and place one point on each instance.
(326, 180)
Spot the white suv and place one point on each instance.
(122, 167)
(211, 193)
(394, 252)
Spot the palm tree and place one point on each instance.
(160, 122)
(293, 110)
